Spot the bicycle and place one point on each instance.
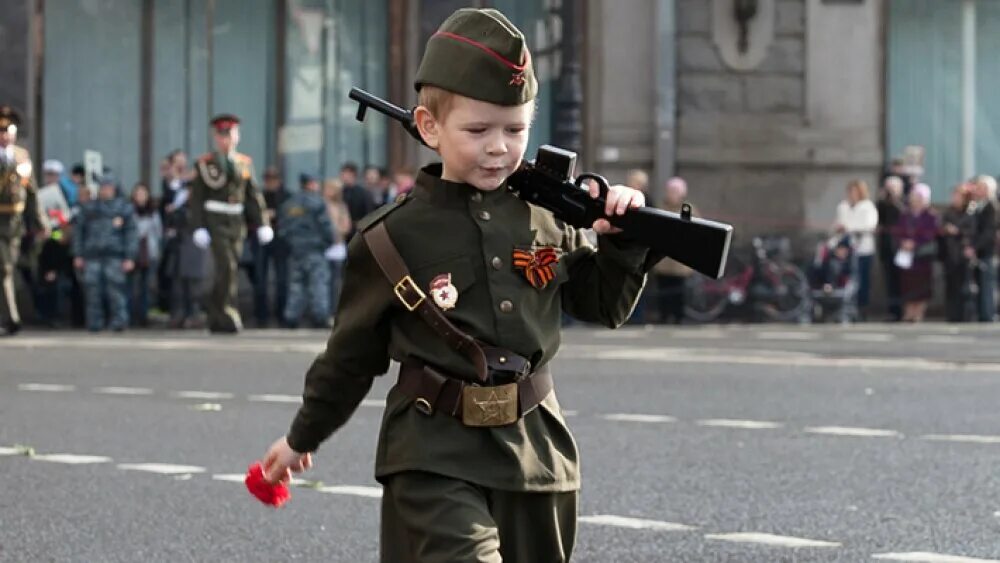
(774, 289)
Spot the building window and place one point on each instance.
(331, 46)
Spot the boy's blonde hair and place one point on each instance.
(438, 101)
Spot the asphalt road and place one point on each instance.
(732, 443)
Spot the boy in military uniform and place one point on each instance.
(19, 211)
(304, 223)
(224, 201)
(465, 285)
(105, 245)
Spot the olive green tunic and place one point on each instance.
(224, 199)
(19, 210)
(450, 228)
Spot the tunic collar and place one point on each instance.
(429, 186)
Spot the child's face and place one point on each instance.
(480, 143)
(106, 191)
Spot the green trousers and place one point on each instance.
(223, 314)
(429, 518)
(8, 265)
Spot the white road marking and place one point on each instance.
(969, 438)
(634, 523)
(868, 337)
(203, 395)
(761, 357)
(568, 413)
(697, 335)
(770, 539)
(926, 557)
(269, 398)
(11, 451)
(374, 403)
(622, 417)
(206, 407)
(162, 468)
(944, 339)
(370, 492)
(71, 459)
(124, 391)
(625, 334)
(852, 431)
(169, 344)
(773, 335)
(731, 423)
(47, 387)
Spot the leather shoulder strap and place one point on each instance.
(415, 300)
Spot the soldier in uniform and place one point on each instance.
(465, 285)
(304, 223)
(225, 200)
(105, 244)
(19, 211)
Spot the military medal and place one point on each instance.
(445, 294)
(537, 265)
(213, 176)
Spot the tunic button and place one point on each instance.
(477, 197)
(506, 306)
(497, 263)
(484, 215)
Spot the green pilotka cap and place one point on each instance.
(479, 54)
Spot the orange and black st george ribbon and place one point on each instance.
(537, 265)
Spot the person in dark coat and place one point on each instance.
(957, 229)
(917, 238)
(984, 245)
(890, 208)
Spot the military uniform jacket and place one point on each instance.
(224, 196)
(304, 223)
(454, 229)
(18, 197)
(105, 229)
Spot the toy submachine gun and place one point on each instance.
(548, 182)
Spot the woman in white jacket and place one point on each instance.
(858, 217)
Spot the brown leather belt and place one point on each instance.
(474, 404)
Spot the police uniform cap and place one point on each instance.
(480, 54)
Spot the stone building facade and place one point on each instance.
(768, 148)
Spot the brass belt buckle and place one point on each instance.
(489, 406)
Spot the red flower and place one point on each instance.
(273, 495)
